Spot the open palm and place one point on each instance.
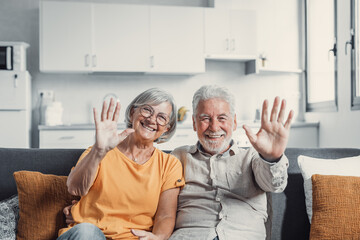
(107, 136)
(271, 139)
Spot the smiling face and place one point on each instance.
(146, 128)
(214, 125)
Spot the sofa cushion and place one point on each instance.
(42, 198)
(9, 214)
(336, 207)
(310, 166)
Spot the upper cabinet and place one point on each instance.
(120, 38)
(65, 36)
(107, 37)
(96, 37)
(230, 34)
(176, 39)
(85, 37)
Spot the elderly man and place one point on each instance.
(225, 192)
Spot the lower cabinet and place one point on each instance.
(66, 138)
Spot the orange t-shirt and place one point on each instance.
(125, 195)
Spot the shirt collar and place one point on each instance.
(230, 152)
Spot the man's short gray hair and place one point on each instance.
(213, 91)
(154, 96)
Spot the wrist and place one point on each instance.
(270, 159)
(99, 153)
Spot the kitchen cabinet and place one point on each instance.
(121, 38)
(229, 33)
(65, 36)
(105, 37)
(176, 39)
(69, 138)
(94, 37)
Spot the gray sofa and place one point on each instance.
(289, 219)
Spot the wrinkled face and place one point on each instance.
(214, 125)
(148, 128)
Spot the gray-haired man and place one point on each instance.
(224, 196)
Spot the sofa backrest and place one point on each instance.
(290, 220)
(49, 161)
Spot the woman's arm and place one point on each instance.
(164, 219)
(82, 176)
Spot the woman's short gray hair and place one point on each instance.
(154, 96)
(213, 91)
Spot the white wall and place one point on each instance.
(278, 34)
(341, 128)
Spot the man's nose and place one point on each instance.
(214, 125)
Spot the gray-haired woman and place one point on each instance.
(128, 188)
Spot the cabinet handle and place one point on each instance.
(151, 61)
(86, 60)
(233, 44)
(94, 60)
(66, 137)
(350, 42)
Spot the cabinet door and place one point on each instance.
(121, 38)
(243, 30)
(65, 36)
(217, 29)
(176, 39)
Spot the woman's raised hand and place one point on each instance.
(107, 136)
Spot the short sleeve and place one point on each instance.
(173, 175)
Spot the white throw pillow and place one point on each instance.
(309, 166)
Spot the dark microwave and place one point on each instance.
(13, 56)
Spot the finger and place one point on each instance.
(289, 119)
(66, 210)
(139, 233)
(126, 133)
(110, 109)
(74, 201)
(103, 111)
(274, 109)
(117, 112)
(282, 111)
(96, 118)
(264, 114)
(249, 133)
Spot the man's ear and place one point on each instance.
(235, 122)
(194, 126)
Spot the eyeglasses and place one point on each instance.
(147, 111)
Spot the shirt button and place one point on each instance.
(217, 199)
(220, 215)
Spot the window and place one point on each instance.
(321, 60)
(355, 54)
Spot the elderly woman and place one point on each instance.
(128, 188)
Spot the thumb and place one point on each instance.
(126, 133)
(139, 233)
(249, 133)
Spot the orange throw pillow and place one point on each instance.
(42, 198)
(336, 207)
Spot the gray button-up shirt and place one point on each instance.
(224, 194)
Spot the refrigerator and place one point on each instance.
(15, 109)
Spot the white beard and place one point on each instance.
(215, 147)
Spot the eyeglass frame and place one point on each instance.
(141, 108)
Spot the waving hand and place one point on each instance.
(107, 137)
(271, 140)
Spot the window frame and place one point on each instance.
(355, 100)
(324, 106)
